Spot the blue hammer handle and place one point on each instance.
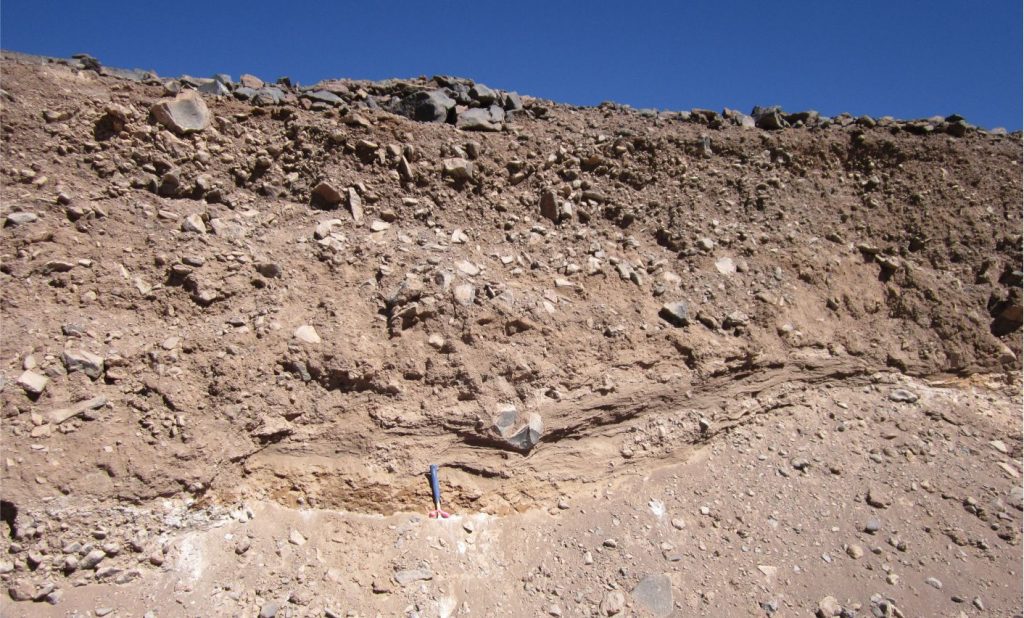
(434, 486)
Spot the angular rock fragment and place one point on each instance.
(307, 334)
(20, 218)
(64, 414)
(81, 360)
(549, 205)
(517, 432)
(32, 382)
(432, 106)
(654, 593)
(325, 196)
(458, 168)
(675, 313)
(481, 119)
(186, 113)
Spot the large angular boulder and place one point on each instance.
(215, 87)
(513, 102)
(427, 106)
(480, 119)
(482, 94)
(268, 96)
(769, 118)
(186, 113)
(516, 431)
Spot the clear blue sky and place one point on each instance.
(904, 58)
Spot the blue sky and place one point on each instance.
(904, 58)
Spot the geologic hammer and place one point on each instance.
(435, 488)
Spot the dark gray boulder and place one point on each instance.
(214, 87)
(676, 313)
(482, 94)
(268, 96)
(323, 96)
(769, 118)
(654, 593)
(480, 119)
(427, 106)
(513, 102)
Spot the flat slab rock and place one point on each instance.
(408, 576)
(654, 593)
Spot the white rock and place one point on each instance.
(32, 382)
(323, 229)
(307, 334)
(725, 266)
(464, 294)
(468, 268)
(21, 218)
(193, 223)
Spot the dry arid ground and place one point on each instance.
(669, 364)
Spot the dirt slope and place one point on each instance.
(705, 350)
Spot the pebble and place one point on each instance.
(295, 538)
(855, 551)
(934, 583)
